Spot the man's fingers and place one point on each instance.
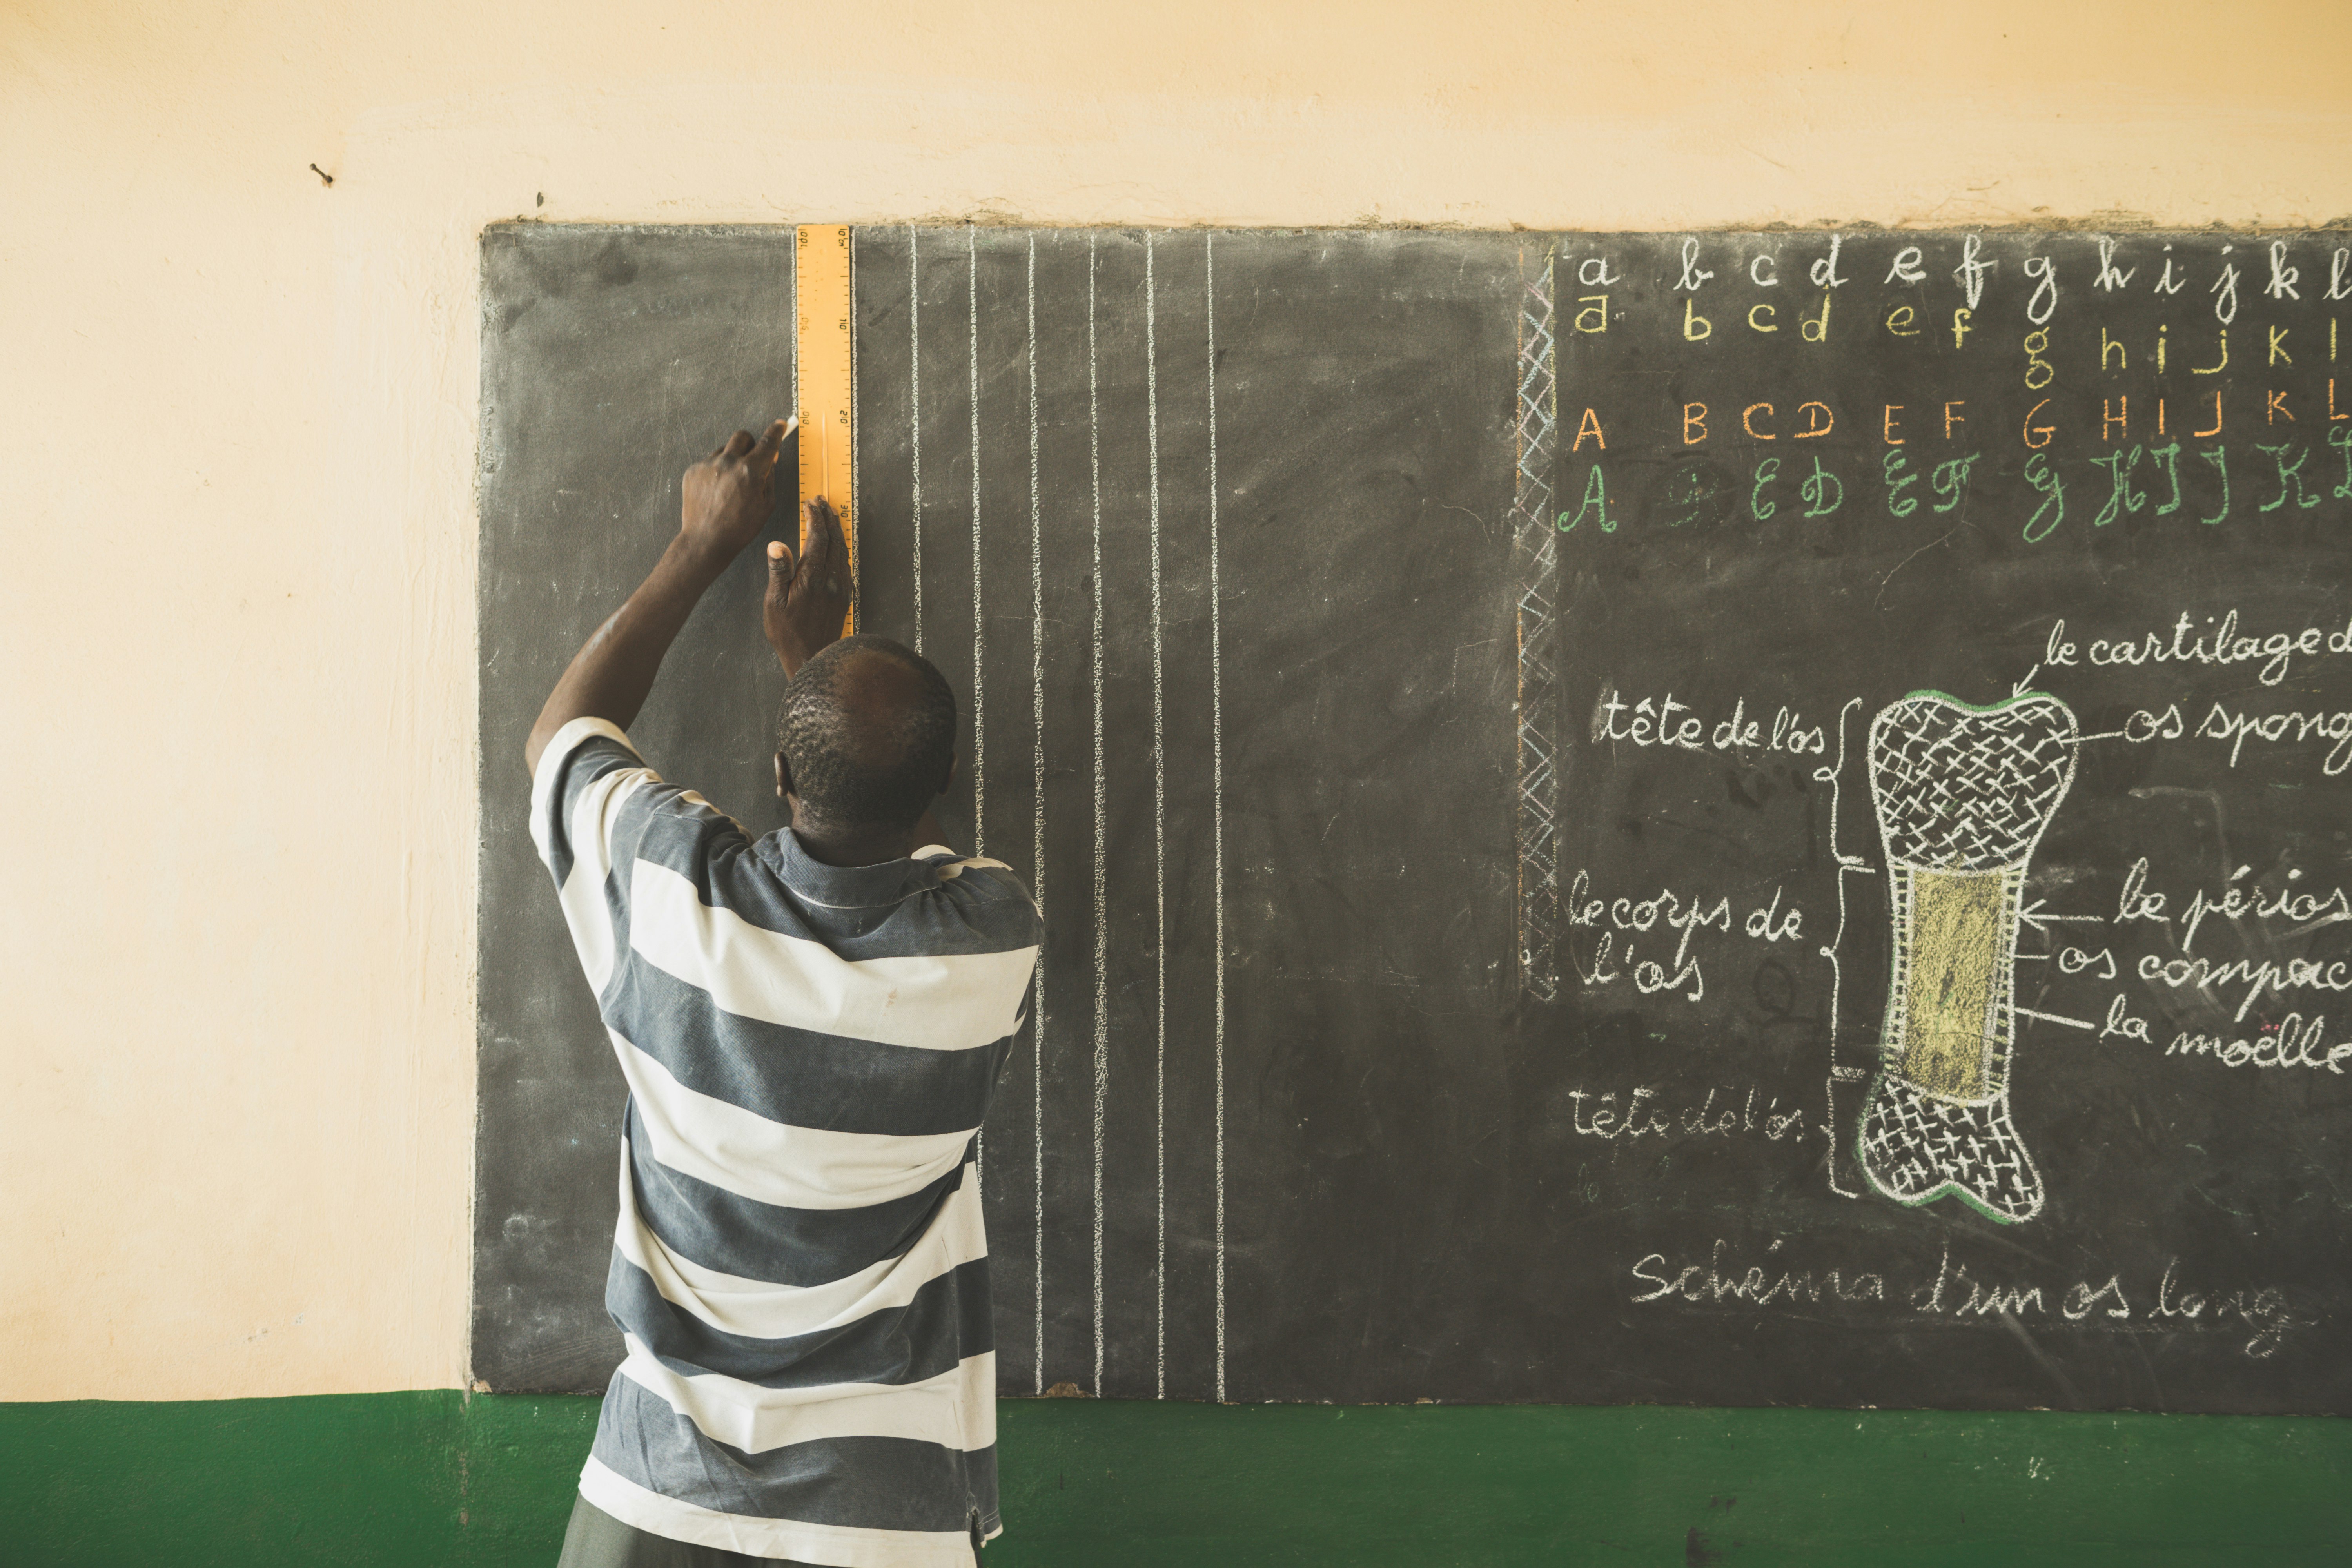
(820, 540)
(771, 445)
(823, 550)
(737, 445)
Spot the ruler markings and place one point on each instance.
(824, 388)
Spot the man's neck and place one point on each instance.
(855, 847)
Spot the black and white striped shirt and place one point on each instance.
(799, 1273)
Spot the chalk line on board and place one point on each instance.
(1847, 864)
(1102, 914)
(1158, 802)
(1217, 799)
(915, 419)
(979, 625)
(1037, 826)
(1536, 546)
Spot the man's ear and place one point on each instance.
(948, 778)
(784, 775)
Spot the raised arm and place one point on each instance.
(728, 499)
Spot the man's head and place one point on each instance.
(867, 738)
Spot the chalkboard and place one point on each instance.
(611, 358)
(1729, 818)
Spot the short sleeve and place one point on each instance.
(586, 778)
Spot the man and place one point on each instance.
(811, 1024)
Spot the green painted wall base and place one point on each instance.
(407, 1481)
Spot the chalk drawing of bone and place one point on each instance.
(1962, 796)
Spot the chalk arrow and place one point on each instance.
(2032, 915)
(2020, 687)
(2055, 1018)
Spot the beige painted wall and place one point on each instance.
(237, 436)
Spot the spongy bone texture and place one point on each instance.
(1962, 789)
(1916, 1146)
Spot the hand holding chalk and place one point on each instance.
(728, 495)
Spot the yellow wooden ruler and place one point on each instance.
(824, 379)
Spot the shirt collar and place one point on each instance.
(851, 887)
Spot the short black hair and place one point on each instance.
(868, 732)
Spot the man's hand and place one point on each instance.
(728, 496)
(807, 599)
(731, 493)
